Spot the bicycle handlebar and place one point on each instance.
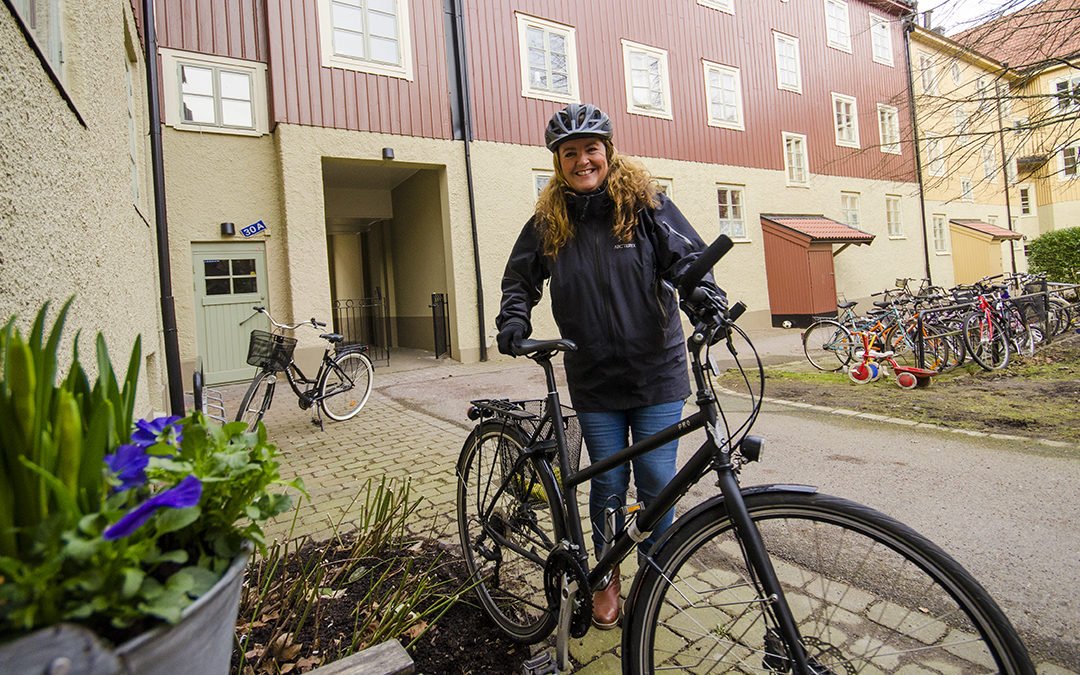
(703, 264)
(312, 323)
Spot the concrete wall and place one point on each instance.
(69, 223)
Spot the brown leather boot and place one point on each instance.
(605, 608)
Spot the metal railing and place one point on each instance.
(440, 324)
(365, 321)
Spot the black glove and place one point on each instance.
(511, 334)
(712, 296)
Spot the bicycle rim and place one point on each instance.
(506, 534)
(827, 345)
(346, 386)
(868, 595)
(986, 342)
(256, 400)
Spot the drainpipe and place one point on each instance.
(168, 304)
(1004, 164)
(460, 82)
(909, 26)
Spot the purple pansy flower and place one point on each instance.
(149, 432)
(183, 495)
(128, 463)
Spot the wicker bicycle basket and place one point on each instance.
(270, 351)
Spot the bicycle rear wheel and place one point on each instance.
(346, 385)
(828, 345)
(257, 399)
(868, 595)
(507, 529)
(986, 341)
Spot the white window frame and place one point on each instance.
(935, 155)
(894, 216)
(1066, 102)
(957, 73)
(172, 60)
(989, 160)
(983, 92)
(788, 40)
(667, 185)
(888, 128)
(845, 122)
(1026, 194)
(790, 171)
(728, 225)
(1010, 171)
(961, 122)
(332, 59)
(1004, 94)
(849, 207)
(710, 67)
(1063, 164)
(881, 45)
(967, 192)
(726, 6)
(842, 41)
(49, 38)
(537, 174)
(939, 225)
(661, 55)
(928, 73)
(992, 219)
(568, 33)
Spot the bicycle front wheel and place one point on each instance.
(868, 594)
(256, 399)
(986, 341)
(828, 345)
(507, 530)
(346, 385)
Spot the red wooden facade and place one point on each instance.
(284, 34)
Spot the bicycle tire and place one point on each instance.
(346, 385)
(260, 393)
(507, 528)
(867, 592)
(828, 345)
(986, 341)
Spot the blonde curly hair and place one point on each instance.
(629, 185)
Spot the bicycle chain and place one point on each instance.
(562, 562)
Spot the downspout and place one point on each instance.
(1004, 165)
(909, 26)
(168, 304)
(460, 81)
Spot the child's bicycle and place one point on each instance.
(873, 363)
(775, 578)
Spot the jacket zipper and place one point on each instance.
(604, 282)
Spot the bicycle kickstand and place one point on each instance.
(317, 418)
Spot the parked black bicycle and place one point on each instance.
(774, 578)
(339, 389)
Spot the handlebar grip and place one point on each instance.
(259, 309)
(703, 264)
(317, 324)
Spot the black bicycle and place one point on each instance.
(339, 389)
(774, 578)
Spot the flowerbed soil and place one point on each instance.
(1034, 397)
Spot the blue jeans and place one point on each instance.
(605, 433)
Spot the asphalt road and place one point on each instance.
(1007, 511)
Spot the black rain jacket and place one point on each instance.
(615, 300)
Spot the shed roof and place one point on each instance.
(998, 233)
(821, 229)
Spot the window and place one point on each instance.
(845, 120)
(928, 74)
(881, 39)
(982, 93)
(1066, 92)
(788, 70)
(1026, 201)
(540, 181)
(723, 91)
(43, 19)
(988, 161)
(665, 185)
(370, 36)
(1004, 94)
(230, 277)
(849, 204)
(940, 233)
(960, 121)
(1069, 160)
(1010, 170)
(795, 162)
(892, 217)
(212, 93)
(935, 155)
(992, 219)
(133, 132)
(837, 26)
(548, 60)
(722, 5)
(957, 74)
(648, 91)
(888, 128)
(729, 199)
(966, 193)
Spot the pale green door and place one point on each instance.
(229, 280)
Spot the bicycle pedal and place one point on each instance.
(540, 664)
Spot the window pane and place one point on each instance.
(199, 109)
(534, 38)
(349, 43)
(243, 266)
(388, 6)
(217, 286)
(384, 50)
(560, 83)
(215, 268)
(382, 25)
(196, 80)
(245, 285)
(236, 114)
(346, 17)
(235, 86)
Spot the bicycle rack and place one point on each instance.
(209, 401)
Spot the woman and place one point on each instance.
(613, 248)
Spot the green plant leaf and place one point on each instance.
(171, 520)
(133, 579)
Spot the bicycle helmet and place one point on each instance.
(574, 121)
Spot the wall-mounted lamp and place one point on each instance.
(228, 229)
(387, 153)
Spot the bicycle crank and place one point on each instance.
(563, 565)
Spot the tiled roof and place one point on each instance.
(821, 229)
(1041, 31)
(998, 233)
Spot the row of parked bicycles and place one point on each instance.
(922, 331)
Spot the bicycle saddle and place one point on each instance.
(845, 305)
(526, 347)
(332, 337)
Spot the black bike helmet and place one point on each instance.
(574, 121)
